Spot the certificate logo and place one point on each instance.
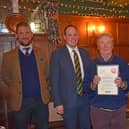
(113, 70)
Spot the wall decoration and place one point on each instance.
(41, 14)
(51, 14)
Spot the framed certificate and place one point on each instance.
(108, 74)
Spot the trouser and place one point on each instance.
(107, 119)
(78, 116)
(32, 109)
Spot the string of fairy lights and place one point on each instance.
(93, 8)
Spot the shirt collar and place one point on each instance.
(22, 48)
(70, 49)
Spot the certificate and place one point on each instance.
(108, 74)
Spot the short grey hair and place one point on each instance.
(105, 35)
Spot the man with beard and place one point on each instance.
(25, 71)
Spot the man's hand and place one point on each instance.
(60, 109)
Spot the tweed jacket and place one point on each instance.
(11, 75)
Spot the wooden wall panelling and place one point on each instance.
(124, 52)
(116, 50)
(123, 33)
(123, 39)
(93, 52)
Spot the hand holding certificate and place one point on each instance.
(108, 74)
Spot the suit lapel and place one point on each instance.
(81, 54)
(17, 64)
(37, 58)
(83, 58)
(68, 58)
(67, 55)
(39, 61)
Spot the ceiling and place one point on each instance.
(109, 8)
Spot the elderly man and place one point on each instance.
(108, 108)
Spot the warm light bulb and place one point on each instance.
(101, 29)
(32, 26)
(91, 28)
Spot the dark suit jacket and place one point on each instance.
(62, 76)
(11, 76)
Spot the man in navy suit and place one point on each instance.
(73, 107)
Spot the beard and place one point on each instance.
(25, 43)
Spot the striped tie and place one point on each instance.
(78, 73)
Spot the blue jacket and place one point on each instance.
(62, 76)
